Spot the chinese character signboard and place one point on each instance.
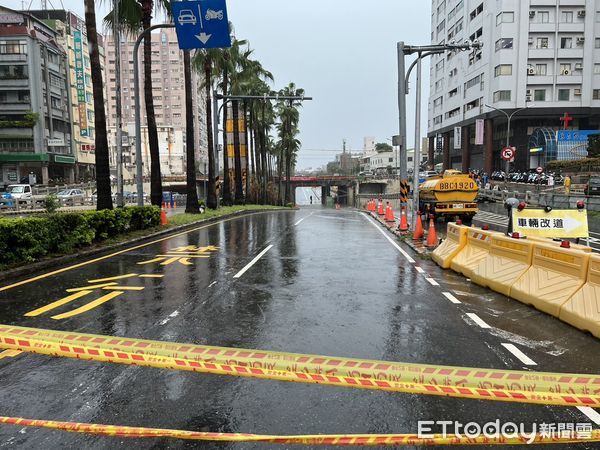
(554, 224)
(80, 82)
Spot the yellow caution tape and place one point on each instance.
(338, 439)
(487, 384)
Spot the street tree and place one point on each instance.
(100, 137)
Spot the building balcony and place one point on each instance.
(540, 79)
(580, 3)
(15, 107)
(541, 53)
(538, 27)
(569, 79)
(14, 82)
(570, 53)
(11, 57)
(575, 27)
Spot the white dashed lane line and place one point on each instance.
(420, 270)
(452, 298)
(254, 261)
(519, 355)
(432, 282)
(591, 413)
(475, 318)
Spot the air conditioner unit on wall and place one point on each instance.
(531, 14)
(580, 40)
(530, 71)
(581, 13)
(531, 41)
(566, 72)
(577, 92)
(528, 98)
(579, 66)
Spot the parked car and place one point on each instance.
(94, 197)
(593, 186)
(71, 196)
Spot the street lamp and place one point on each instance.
(508, 118)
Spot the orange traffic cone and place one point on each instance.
(389, 213)
(403, 220)
(419, 232)
(163, 217)
(431, 234)
(380, 210)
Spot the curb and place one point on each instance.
(66, 259)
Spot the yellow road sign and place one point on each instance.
(558, 223)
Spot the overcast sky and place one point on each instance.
(342, 52)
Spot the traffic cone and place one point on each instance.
(431, 234)
(380, 210)
(163, 217)
(389, 214)
(403, 220)
(419, 231)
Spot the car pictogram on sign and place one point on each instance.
(186, 16)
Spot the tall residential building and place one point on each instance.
(169, 105)
(35, 120)
(72, 36)
(542, 55)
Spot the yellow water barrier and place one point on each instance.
(508, 260)
(543, 240)
(583, 309)
(555, 275)
(462, 382)
(476, 249)
(455, 241)
(346, 440)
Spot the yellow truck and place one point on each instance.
(449, 195)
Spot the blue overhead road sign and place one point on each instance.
(201, 24)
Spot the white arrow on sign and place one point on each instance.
(203, 37)
(571, 224)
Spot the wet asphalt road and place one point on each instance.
(332, 284)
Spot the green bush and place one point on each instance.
(29, 239)
(51, 203)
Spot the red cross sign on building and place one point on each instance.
(566, 119)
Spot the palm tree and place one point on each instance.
(191, 205)
(289, 117)
(246, 79)
(134, 17)
(101, 141)
(204, 63)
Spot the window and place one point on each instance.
(539, 95)
(543, 17)
(567, 17)
(565, 68)
(438, 102)
(564, 95)
(597, 43)
(503, 69)
(542, 42)
(501, 96)
(541, 69)
(504, 44)
(13, 47)
(505, 17)
(596, 94)
(566, 42)
(476, 11)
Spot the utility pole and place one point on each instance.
(422, 52)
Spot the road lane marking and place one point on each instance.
(406, 255)
(89, 306)
(171, 316)
(120, 252)
(591, 413)
(254, 261)
(475, 318)
(520, 355)
(212, 284)
(451, 297)
(301, 220)
(432, 282)
(56, 304)
(419, 269)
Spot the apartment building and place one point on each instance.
(72, 37)
(169, 105)
(35, 118)
(540, 60)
